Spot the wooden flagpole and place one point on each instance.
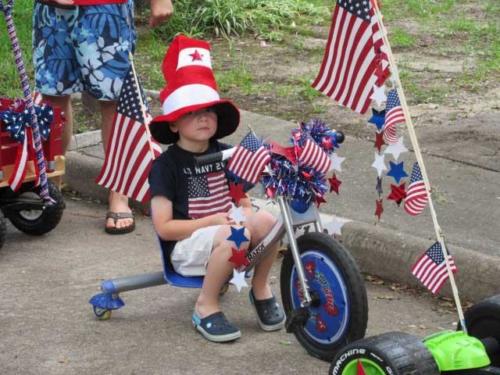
(145, 114)
(420, 160)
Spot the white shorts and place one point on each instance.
(190, 256)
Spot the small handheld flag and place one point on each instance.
(431, 270)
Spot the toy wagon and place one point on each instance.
(30, 153)
(25, 208)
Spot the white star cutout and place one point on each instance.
(237, 214)
(238, 280)
(336, 162)
(396, 149)
(335, 226)
(379, 95)
(379, 164)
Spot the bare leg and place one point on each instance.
(259, 225)
(117, 202)
(218, 271)
(63, 102)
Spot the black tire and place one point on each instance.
(483, 322)
(392, 353)
(42, 221)
(3, 230)
(343, 318)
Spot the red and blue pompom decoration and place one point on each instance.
(299, 184)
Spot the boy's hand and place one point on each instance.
(221, 219)
(161, 10)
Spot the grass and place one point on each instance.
(10, 85)
(402, 39)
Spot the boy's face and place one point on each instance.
(196, 126)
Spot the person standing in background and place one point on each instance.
(85, 45)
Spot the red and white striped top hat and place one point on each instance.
(190, 86)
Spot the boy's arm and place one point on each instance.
(161, 10)
(175, 230)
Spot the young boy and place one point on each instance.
(190, 203)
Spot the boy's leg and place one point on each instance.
(218, 272)
(63, 102)
(259, 225)
(117, 202)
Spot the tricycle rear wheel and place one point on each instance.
(339, 314)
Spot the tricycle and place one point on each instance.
(322, 290)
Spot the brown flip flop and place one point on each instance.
(118, 216)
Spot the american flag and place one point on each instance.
(249, 159)
(416, 195)
(130, 148)
(430, 269)
(208, 194)
(393, 111)
(354, 59)
(313, 156)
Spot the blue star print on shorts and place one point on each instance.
(82, 49)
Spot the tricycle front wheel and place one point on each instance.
(339, 312)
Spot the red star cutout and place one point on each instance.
(334, 184)
(319, 200)
(361, 370)
(398, 193)
(196, 56)
(379, 140)
(380, 208)
(239, 258)
(236, 192)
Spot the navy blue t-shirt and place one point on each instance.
(195, 191)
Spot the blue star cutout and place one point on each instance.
(378, 118)
(237, 236)
(397, 171)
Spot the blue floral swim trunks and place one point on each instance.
(82, 49)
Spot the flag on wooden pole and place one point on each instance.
(354, 58)
(130, 150)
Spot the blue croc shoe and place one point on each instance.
(216, 327)
(270, 315)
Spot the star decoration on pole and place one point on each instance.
(334, 227)
(237, 214)
(236, 192)
(378, 95)
(196, 56)
(239, 258)
(334, 183)
(396, 149)
(238, 280)
(336, 162)
(319, 199)
(377, 119)
(398, 193)
(379, 186)
(237, 236)
(397, 171)
(379, 209)
(379, 164)
(379, 140)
